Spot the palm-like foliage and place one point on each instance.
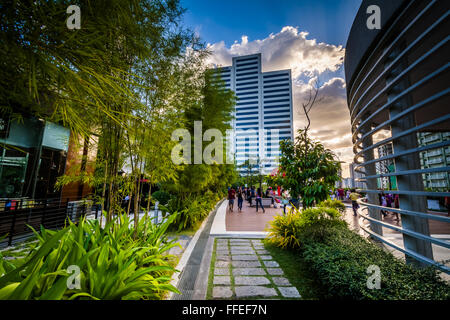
(113, 264)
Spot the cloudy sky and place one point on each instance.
(307, 37)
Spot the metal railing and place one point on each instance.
(417, 235)
(399, 88)
(16, 219)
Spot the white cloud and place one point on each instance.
(287, 49)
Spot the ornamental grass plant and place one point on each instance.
(113, 263)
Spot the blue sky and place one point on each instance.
(326, 20)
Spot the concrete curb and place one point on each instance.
(186, 255)
(218, 228)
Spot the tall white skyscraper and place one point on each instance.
(263, 113)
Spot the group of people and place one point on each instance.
(245, 193)
(251, 193)
(386, 200)
(390, 201)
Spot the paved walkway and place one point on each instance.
(248, 219)
(244, 269)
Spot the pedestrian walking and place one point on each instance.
(396, 206)
(354, 197)
(252, 195)
(285, 200)
(240, 198)
(383, 203)
(231, 197)
(259, 200)
(447, 204)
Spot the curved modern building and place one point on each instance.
(398, 96)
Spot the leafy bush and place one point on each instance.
(341, 261)
(162, 196)
(285, 230)
(335, 204)
(113, 263)
(340, 258)
(192, 210)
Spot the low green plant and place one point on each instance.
(340, 261)
(339, 258)
(113, 263)
(192, 210)
(335, 204)
(285, 230)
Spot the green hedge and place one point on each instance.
(192, 210)
(341, 260)
(340, 257)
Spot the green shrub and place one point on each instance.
(335, 204)
(286, 231)
(341, 260)
(162, 196)
(113, 263)
(193, 209)
(340, 257)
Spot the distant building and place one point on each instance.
(355, 175)
(435, 158)
(385, 166)
(263, 113)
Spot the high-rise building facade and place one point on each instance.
(263, 112)
(435, 158)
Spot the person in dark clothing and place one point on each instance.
(259, 200)
(252, 195)
(240, 197)
(231, 197)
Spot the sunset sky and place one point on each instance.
(307, 37)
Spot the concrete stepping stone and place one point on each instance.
(266, 257)
(224, 280)
(289, 292)
(245, 264)
(222, 292)
(281, 281)
(254, 291)
(249, 272)
(222, 264)
(262, 252)
(275, 271)
(221, 271)
(249, 281)
(271, 264)
(223, 257)
(222, 252)
(246, 251)
(240, 240)
(245, 257)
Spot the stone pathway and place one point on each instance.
(244, 269)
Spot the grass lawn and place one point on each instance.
(296, 270)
